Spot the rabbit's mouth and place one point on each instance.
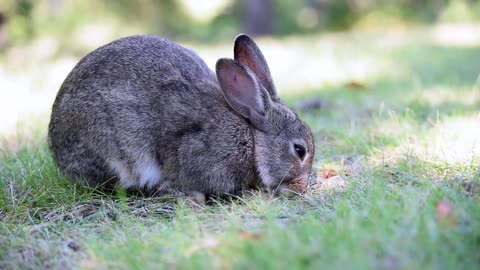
(294, 187)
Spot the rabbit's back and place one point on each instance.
(137, 110)
(139, 60)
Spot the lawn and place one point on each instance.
(397, 131)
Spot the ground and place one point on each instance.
(397, 128)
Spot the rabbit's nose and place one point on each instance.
(299, 185)
(295, 187)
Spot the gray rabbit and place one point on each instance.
(147, 114)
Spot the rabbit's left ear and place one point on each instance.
(247, 53)
(243, 92)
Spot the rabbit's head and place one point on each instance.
(284, 146)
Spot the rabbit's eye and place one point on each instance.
(300, 150)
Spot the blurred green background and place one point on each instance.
(332, 42)
(214, 20)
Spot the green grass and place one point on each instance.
(404, 143)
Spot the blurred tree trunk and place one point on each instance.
(258, 17)
(54, 7)
(3, 31)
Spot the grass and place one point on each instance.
(402, 146)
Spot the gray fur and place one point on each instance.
(149, 114)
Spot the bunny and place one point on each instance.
(147, 114)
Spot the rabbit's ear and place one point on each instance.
(247, 52)
(242, 91)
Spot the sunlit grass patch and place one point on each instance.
(456, 140)
(443, 96)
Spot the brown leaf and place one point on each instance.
(354, 85)
(248, 236)
(328, 180)
(327, 175)
(445, 214)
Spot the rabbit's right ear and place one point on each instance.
(247, 52)
(243, 91)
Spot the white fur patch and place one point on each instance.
(267, 180)
(146, 174)
(149, 172)
(126, 178)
